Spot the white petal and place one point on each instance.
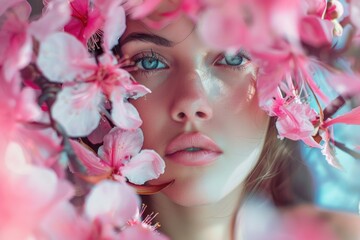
(77, 109)
(62, 58)
(145, 166)
(113, 202)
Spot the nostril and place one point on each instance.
(181, 115)
(201, 114)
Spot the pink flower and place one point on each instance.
(87, 85)
(18, 110)
(16, 33)
(90, 21)
(296, 121)
(28, 194)
(120, 157)
(110, 205)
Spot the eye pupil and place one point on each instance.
(149, 63)
(233, 60)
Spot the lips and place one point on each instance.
(192, 149)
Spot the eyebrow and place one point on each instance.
(146, 37)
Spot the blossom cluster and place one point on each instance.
(59, 92)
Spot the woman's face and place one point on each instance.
(202, 116)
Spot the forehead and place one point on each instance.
(176, 31)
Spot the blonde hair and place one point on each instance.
(280, 173)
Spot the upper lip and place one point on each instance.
(191, 140)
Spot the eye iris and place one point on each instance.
(149, 63)
(233, 60)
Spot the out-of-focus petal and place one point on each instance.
(63, 58)
(93, 164)
(355, 12)
(121, 145)
(6, 4)
(140, 9)
(222, 30)
(114, 25)
(63, 222)
(316, 31)
(57, 14)
(145, 166)
(27, 108)
(352, 117)
(141, 231)
(16, 42)
(112, 203)
(77, 109)
(99, 133)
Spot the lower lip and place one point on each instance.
(197, 158)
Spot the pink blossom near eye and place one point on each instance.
(84, 22)
(140, 9)
(62, 58)
(121, 157)
(87, 84)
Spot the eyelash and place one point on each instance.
(241, 53)
(155, 56)
(148, 55)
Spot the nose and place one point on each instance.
(190, 102)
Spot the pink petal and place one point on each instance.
(220, 29)
(143, 167)
(120, 145)
(63, 222)
(27, 108)
(311, 142)
(99, 133)
(112, 203)
(141, 231)
(316, 31)
(124, 114)
(352, 117)
(77, 109)
(328, 150)
(93, 164)
(16, 47)
(6, 4)
(355, 13)
(61, 58)
(315, 7)
(345, 84)
(141, 10)
(57, 14)
(114, 25)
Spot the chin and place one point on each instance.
(196, 192)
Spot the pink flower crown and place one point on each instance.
(54, 89)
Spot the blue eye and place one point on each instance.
(150, 63)
(237, 59)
